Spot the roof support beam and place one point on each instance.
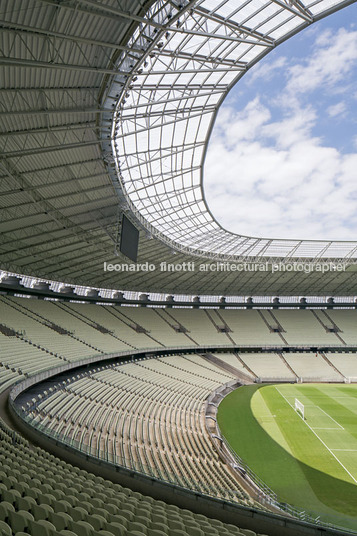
(20, 28)
(88, 163)
(160, 154)
(236, 67)
(165, 177)
(165, 123)
(57, 183)
(223, 37)
(200, 58)
(60, 196)
(53, 212)
(234, 26)
(74, 110)
(297, 8)
(60, 232)
(67, 66)
(152, 103)
(173, 112)
(49, 149)
(35, 196)
(101, 10)
(59, 88)
(57, 128)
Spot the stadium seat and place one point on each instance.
(157, 532)
(19, 521)
(98, 522)
(41, 511)
(5, 529)
(82, 528)
(42, 528)
(60, 520)
(25, 503)
(117, 529)
(5, 509)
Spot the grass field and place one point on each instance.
(309, 463)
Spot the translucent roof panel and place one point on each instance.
(191, 55)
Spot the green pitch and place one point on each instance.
(309, 463)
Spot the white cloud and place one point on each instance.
(334, 57)
(295, 188)
(266, 71)
(269, 177)
(233, 126)
(292, 128)
(337, 109)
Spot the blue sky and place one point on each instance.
(284, 145)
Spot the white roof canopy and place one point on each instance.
(166, 108)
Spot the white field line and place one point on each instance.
(318, 428)
(346, 396)
(322, 396)
(342, 428)
(319, 438)
(329, 416)
(345, 450)
(335, 397)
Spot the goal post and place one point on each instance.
(300, 408)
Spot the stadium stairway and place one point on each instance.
(221, 364)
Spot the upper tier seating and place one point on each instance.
(199, 326)
(73, 330)
(233, 360)
(268, 366)
(346, 364)
(304, 326)
(249, 328)
(312, 367)
(346, 321)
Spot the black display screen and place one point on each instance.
(129, 239)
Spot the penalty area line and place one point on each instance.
(318, 437)
(317, 428)
(330, 417)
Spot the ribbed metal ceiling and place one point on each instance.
(59, 201)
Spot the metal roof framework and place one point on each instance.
(56, 199)
(66, 68)
(166, 108)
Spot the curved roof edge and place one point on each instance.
(192, 53)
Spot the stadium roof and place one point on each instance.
(106, 108)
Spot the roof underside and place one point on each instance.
(60, 195)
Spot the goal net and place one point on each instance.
(300, 408)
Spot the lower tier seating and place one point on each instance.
(148, 416)
(44, 496)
